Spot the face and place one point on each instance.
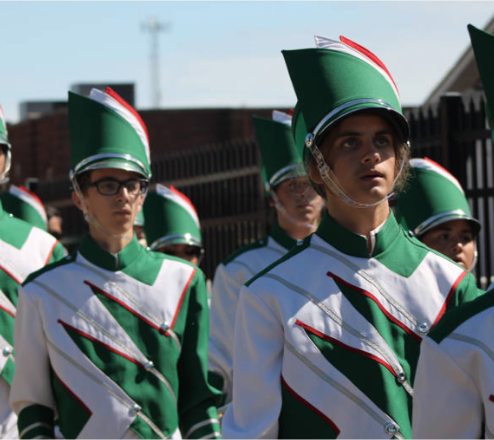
(300, 201)
(184, 251)
(116, 213)
(455, 239)
(360, 151)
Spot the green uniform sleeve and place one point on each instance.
(197, 399)
(466, 291)
(58, 253)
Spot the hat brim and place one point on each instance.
(425, 227)
(114, 163)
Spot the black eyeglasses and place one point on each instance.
(109, 186)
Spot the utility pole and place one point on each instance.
(154, 28)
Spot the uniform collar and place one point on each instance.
(354, 244)
(104, 259)
(281, 237)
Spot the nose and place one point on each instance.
(123, 193)
(457, 246)
(370, 154)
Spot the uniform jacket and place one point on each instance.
(114, 346)
(327, 339)
(229, 277)
(23, 249)
(454, 384)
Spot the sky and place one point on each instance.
(219, 54)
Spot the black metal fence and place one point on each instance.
(224, 181)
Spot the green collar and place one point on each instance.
(101, 258)
(281, 237)
(2, 211)
(354, 244)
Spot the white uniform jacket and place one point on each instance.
(327, 339)
(229, 277)
(23, 249)
(454, 384)
(114, 346)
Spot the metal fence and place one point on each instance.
(224, 181)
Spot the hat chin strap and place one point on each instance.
(280, 208)
(90, 219)
(331, 181)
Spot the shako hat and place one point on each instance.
(336, 79)
(26, 205)
(433, 196)
(483, 49)
(170, 218)
(106, 132)
(280, 157)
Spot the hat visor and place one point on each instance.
(447, 217)
(116, 163)
(175, 239)
(4, 140)
(392, 116)
(289, 172)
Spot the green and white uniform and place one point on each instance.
(327, 339)
(23, 249)
(229, 277)
(114, 346)
(454, 385)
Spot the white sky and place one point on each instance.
(219, 54)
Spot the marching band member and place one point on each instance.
(112, 341)
(327, 338)
(172, 224)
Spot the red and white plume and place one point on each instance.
(350, 47)
(113, 100)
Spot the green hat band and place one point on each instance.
(433, 196)
(105, 128)
(170, 218)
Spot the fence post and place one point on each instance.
(451, 111)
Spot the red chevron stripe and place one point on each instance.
(127, 307)
(51, 252)
(108, 347)
(7, 311)
(383, 309)
(345, 346)
(448, 298)
(311, 407)
(10, 275)
(86, 408)
(491, 398)
(182, 296)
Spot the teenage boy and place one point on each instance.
(112, 341)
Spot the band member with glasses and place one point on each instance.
(454, 384)
(112, 341)
(327, 338)
(172, 224)
(24, 248)
(298, 212)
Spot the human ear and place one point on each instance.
(314, 173)
(76, 200)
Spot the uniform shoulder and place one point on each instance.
(50, 267)
(461, 314)
(258, 244)
(160, 257)
(300, 247)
